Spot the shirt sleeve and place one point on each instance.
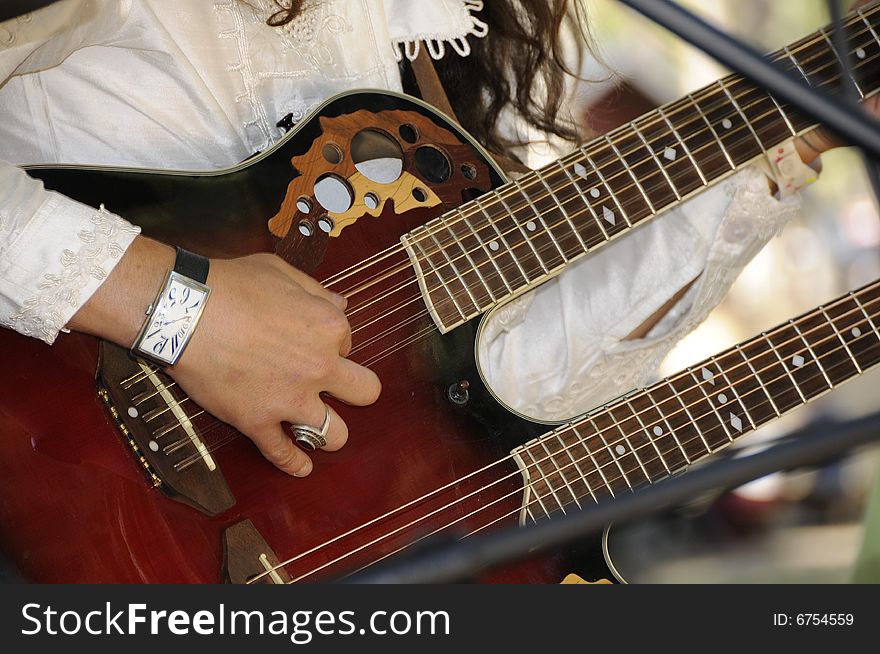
(54, 254)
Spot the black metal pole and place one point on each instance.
(463, 559)
(853, 125)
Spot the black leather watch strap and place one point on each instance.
(192, 265)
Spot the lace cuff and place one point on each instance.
(54, 260)
(434, 26)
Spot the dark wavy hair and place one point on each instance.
(520, 64)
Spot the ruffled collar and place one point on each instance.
(434, 25)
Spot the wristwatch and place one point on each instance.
(173, 316)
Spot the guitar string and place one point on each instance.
(807, 42)
(195, 458)
(495, 271)
(487, 506)
(558, 471)
(862, 307)
(712, 90)
(575, 198)
(360, 347)
(413, 282)
(863, 31)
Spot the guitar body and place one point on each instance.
(76, 504)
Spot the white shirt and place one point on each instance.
(190, 84)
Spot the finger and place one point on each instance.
(313, 287)
(337, 431)
(345, 347)
(280, 451)
(337, 434)
(354, 384)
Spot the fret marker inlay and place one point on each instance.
(860, 53)
(797, 361)
(735, 422)
(658, 430)
(580, 171)
(670, 153)
(620, 449)
(531, 226)
(595, 193)
(726, 123)
(856, 332)
(722, 398)
(493, 245)
(709, 376)
(608, 215)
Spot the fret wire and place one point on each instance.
(758, 379)
(486, 250)
(843, 63)
(632, 450)
(608, 188)
(584, 198)
(868, 23)
(552, 458)
(515, 220)
(593, 459)
(503, 240)
(812, 354)
(611, 452)
(476, 268)
(577, 467)
(797, 65)
(865, 313)
(724, 374)
(712, 129)
(669, 426)
(739, 110)
(631, 174)
(698, 107)
(784, 367)
(711, 404)
(540, 218)
(657, 161)
(455, 270)
(841, 339)
(563, 211)
(417, 242)
(650, 440)
(687, 150)
(734, 391)
(784, 116)
(538, 496)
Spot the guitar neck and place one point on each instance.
(508, 241)
(657, 431)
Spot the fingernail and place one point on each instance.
(342, 301)
(303, 470)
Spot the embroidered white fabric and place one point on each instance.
(196, 85)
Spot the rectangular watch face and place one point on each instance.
(171, 324)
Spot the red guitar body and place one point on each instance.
(75, 502)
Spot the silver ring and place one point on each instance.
(311, 438)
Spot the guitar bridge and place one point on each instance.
(159, 424)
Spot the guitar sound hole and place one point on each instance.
(377, 156)
(409, 133)
(433, 164)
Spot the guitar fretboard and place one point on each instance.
(508, 241)
(657, 431)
